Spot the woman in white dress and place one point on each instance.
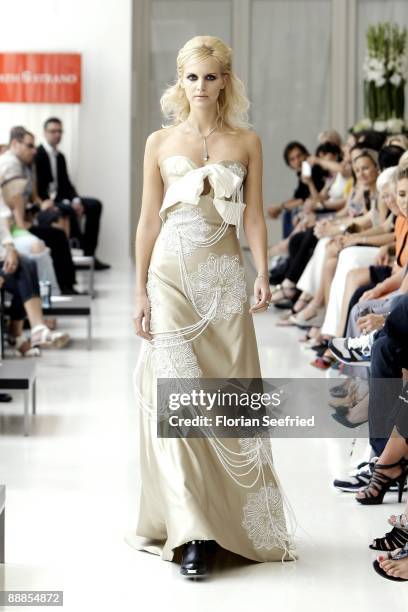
(193, 314)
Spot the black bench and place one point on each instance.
(20, 376)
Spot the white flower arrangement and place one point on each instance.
(374, 70)
(396, 126)
(385, 72)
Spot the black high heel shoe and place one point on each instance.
(342, 419)
(194, 561)
(393, 540)
(381, 483)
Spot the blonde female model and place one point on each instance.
(202, 182)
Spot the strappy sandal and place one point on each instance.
(402, 554)
(381, 483)
(302, 302)
(41, 336)
(22, 347)
(316, 320)
(394, 539)
(341, 391)
(283, 296)
(343, 420)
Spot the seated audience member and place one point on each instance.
(54, 182)
(303, 240)
(386, 352)
(18, 276)
(294, 155)
(365, 279)
(15, 179)
(355, 350)
(18, 193)
(380, 279)
(359, 212)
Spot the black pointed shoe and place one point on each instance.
(194, 561)
(100, 265)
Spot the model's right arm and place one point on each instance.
(148, 229)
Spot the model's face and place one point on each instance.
(203, 82)
(53, 133)
(366, 171)
(295, 159)
(402, 196)
(25, 150)
(389, 198)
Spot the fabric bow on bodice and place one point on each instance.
(226, 185)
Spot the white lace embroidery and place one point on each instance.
(260, 447)
(264, 518)
(177, 361)
(190, 225)
(238, 169)
(154, 300)
(220, 281)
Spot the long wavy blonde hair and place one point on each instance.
(232, 104)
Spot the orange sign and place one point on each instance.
(40, 77)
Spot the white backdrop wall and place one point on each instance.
(97, 132)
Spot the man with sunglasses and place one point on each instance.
(54, 182)
(19, 202)
(15, 174)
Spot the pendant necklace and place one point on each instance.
(206, 157)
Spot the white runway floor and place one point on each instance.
(72, 491)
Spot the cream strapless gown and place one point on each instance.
(203, 488)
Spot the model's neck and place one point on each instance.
(203, 121)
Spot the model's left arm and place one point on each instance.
(254, 223)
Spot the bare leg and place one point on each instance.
(327, 276)
(23, 345)
(355, 279)
(33, 309)
(16, 328)
(303, 300)
(329, 271)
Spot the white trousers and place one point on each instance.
(312, 274)
(350, 258)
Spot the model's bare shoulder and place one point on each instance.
(251, 142)
(154, 143)
(157, 140)
(251, 138)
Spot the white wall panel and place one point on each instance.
(290, 81)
